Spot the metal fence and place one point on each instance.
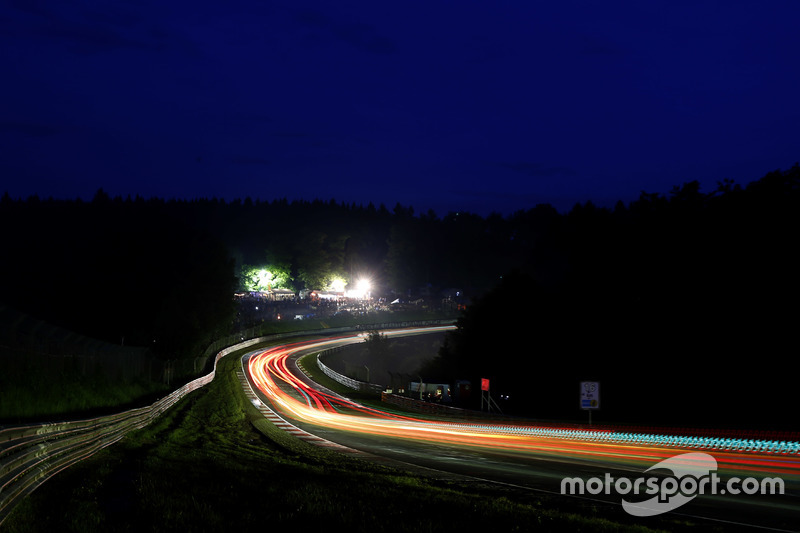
(25, 340)
(354, 384)
(31, 454)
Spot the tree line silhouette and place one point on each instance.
(683, 305)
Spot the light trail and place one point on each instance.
(270, 373)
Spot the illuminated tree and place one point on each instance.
(264, 278)
(337, 284)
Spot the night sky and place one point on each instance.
(453, 106)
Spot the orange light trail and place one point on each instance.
(270, 373)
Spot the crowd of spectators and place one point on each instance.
(254, 308)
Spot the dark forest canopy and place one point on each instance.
(683, 306)
(398, 248)
(706, 280)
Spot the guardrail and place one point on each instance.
(361, 386)
(32, 454)
(421, 406)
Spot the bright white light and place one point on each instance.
(363, 286)
(337, 285)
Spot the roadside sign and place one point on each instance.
(484, 384)
(590, 395)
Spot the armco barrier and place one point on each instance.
(354, 384)
(420, 406)
(363, 386)
(32, 454)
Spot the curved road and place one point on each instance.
(539, 457)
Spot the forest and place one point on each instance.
(683, 305)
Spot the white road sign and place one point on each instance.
(590, 395)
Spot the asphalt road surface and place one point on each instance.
(695, 481)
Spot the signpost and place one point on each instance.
(590, 397)
(489, 401)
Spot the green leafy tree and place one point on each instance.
(264, 277)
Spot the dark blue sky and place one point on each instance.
(469, 105)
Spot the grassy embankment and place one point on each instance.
(32, 391)
(214, 463)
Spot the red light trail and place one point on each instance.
(292, 397)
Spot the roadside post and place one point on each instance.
(485, 394)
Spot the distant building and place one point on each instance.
(431, 392)
(281, 294)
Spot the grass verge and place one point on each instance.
(213, 463)
(39, 395)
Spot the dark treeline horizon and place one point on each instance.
(683, 307)
(681, 304)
